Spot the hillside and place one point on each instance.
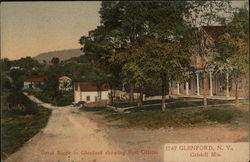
(62, 55)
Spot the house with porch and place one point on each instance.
(218, 82)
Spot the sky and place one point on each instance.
(30, 28)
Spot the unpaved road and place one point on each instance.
(68, 136)
(76, 136)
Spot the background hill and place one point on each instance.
(62, 55)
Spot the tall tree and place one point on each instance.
(163, 29)
(169, 41)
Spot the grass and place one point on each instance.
(19, 128)
(178, 118)
(175, 103)
(151, 117)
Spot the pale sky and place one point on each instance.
(30, 28)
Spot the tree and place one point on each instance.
(135, 73)
(5, 83)
(169, 43)
(51, 84)
(27, 63)
(162, 30)
(205, 13)
(55, 60)
(5, 64)
(16, 98)
(124, 24)
(17, 76)
(232, 48)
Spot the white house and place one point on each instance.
(88, 92)
(33, 82)
(65, 83)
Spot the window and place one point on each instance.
(88, 98)
(95, 98)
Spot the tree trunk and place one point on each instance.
(205, 90)
(163, 101)
(100, 91)
(140, 101)
(131, 94)
(111, 96)
(236, 93)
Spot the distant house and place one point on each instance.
(33, 82)
(16, 68)
(65, 83)
(89, 92)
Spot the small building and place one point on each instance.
(34, 82)
(89, 92)
(65, 83)
(16, 68)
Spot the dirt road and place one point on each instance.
(74, 136)
(68, 136)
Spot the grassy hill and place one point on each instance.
(62, 55)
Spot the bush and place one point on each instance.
(55, 97)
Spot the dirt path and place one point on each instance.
(86, 136)
(148, 145)
(68, 136)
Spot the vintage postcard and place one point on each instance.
(125, 81)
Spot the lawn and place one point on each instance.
(20, 122)
(171, 103)
(17, 129)
(151, 117)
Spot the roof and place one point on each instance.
(90, 86)
(64, 78)
(214, 31)
(40, 78)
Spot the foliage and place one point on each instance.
(21, 119)
(5, 83)
(5, 64)
(27, 63)
(232, 48)
(55, 60)
(58, 99)
(19, 126)
(17, 76)
(17, 99)
(123, 38)
(51, 84)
